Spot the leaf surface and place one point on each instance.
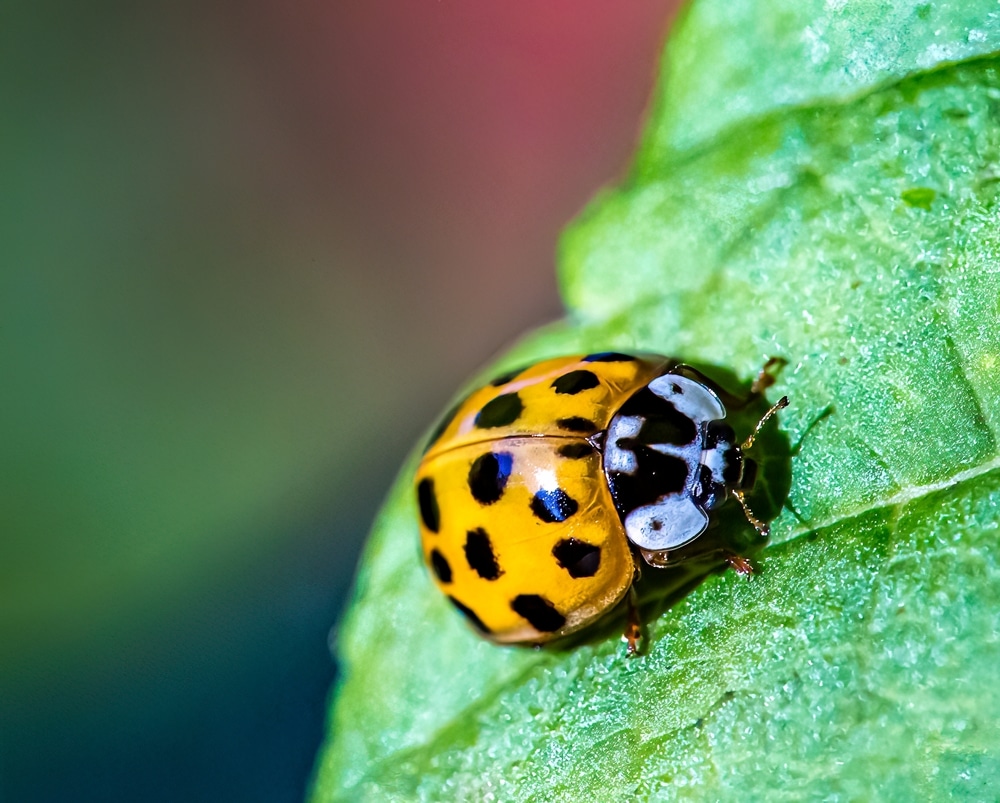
(817, 181)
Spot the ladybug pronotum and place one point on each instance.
(538, 491)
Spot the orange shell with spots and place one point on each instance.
(517, 522)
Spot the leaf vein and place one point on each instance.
(738, 130)
(901, 499)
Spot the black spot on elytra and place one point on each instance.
(609, 356)
(540, 613)
(576, 424)
(488, 476)
(656, 476)
(427, 499)
(577, 557)
(479, 554)
(470, 615)
(575, 450)
(553, 506)
(500, 412)
(575, 382)
(442, 570)
(504, 378)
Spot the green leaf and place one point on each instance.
(818, 181)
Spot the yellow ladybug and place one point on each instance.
(538, 488)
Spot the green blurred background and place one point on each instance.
(248, 251)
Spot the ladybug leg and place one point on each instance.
(739, 564)
(766, 376)
(633, 627)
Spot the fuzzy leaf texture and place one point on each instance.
(818, 180)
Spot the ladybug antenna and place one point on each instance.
(780, 404)
(761, 527)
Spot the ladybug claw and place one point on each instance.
(633, 628)
(632, 640)
(740, 565)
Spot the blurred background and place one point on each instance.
(247, 252)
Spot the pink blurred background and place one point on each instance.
(250, 251)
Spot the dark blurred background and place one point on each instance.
(248, 252)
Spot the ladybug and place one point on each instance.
(539, 491)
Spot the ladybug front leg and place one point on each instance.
(766, 376)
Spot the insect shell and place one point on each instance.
(536, 488)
